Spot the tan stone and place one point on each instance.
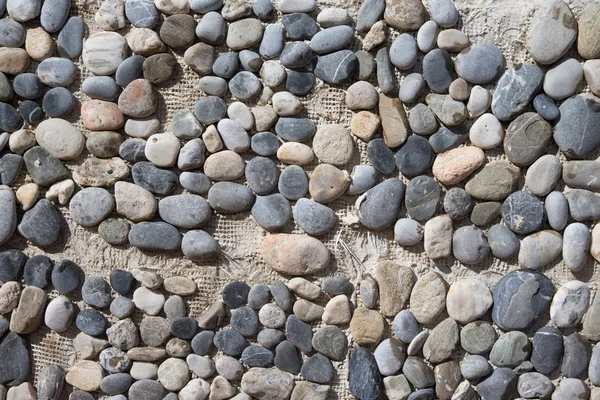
(428, 298)
(39, 44)
(588, 45)
(294, 254)
(393, 120)
(328, 183)
(405, 15)
(61, 192)
(366, 327)
(145, 42)
(212, 139)
(438, 237)
(27, 195)
(453, 166)
(96, 172)
(225, 165)
(98, 115)
(85, 375)
(364, 125)
(452, 40)
(88, 347)
(29, 314)
(22, 140)
(264, 118)
(295, 153)
(333, 144)
(180, 285)
(13, 61)
(337, 311)
(25, 391)
(395, 284)
(376, 35)
(213, 317)
(134, 202)
(468, 299)
(307, 311)
(303, 288)
(9, 296)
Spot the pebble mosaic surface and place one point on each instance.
(466, 156)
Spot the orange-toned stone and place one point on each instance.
(455, 165)
(98, 115)
(294, 254)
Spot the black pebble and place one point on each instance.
(202, 343)
(122, 281)
(31, 112)
(381, 156)
(414, 157)
(11, 265)
(65, 276)
(91, 322)
(300, 82)
(184, 327)
(287, 358)
(58, 102)
(37, 271)
(230, 342)
(235, 294)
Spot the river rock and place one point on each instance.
(442, 341)
(365, 380)
(578, 115)
(378, 208)
(428, 298)
(552, 32)
(269, 384)
(539, 249)
(515, 90)
(455, 165)
(569, 304)
(467, 300)
(405, 15)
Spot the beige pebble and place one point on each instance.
(286, 104)
(468, 299)
(328, 183)
(365, 125)
(453, 166)
(100, 172)
(39, 44)
(303, 288)
(591, 70)
(25, 391)
(9, 296)
(149, 301)
(295, 153)
(111, 15)
(307, 311)
(452, 40)
(595, 244)
(134, 202)
(212, 139)
(27, 195)
(294, 254)
(221, 389)
(21, 140)
(240, 113)
(459, 89)
(333, 144)
(366, 327)
(428, 298)
(61, 192)
(438, 237)
(174, 374)
(98, 115)
(13, 61)
(265, 118)
(337, 311)
(376, 35)
(162, 149)
(143, 370)
(29, 314)
(171, 7)
(147, 278)
(361, 96)
(145, 42)
(87, 347)
(85, 375)
(180, 285)
(224, 166)
(393, 121)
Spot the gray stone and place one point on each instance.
(577, 354)
(443, 12)
(438, 70)
(458, 203)
(264, 144)
(272, 212)
(100, 87)
(364, 177)
(56, 71)
(212, 28)
(37, 271)
(257, 356)
(42, 224)
(313, 218)
(369, 13)
(202, 342)
(122, 307)
(364, 378)
(366, 65)
(269, 338)
(204, 6)
(414, 157)
(408, 232)
(54, 14)
(6, 90)
(552, 32)
(480, 63)
(539, 249)
(299, 26)
(293, 182)
(91, 322)
(11, 265)
(263, 9)
(579, 115)
(543, 175)
(158, 236)
(411, 88)
(561, 81)
(141, 13)
(245, 86)
(534, 385)
(262, 175)
(448, 138)
(195, 182)
(475, 367)
(331, 342)
(520, 298)
(296, 55)
(14, 360)
(523, 213)
(405, 326)
(91, 206)
(470, 245)
(515, 89)
(114, 231)
(332, 39)
(213, 86)
(502, 241)
(96, 292)
(282, 295)
(58, 102)
(70, 38)
(10, 166)
(185, 125)
(268, 383)
(191, 155)
(486, 213)
(449, 111)
(557, 210)
(146, 389)
(153, 179)
(422, 197)
(442, 341)
(336, 68)
(131, 68)
(287, 358)
(547, 350)
(378, 207)
(576, 244)
(403, 51)
(50, 382)
(390, 355)
(10, 120)
(27, 85)
(418, 372)
(583, 205)
(300, 82)
(421, 119)
(381, 156)
(571, 388)
(185, 211)
(582, 174)
(295, 129)
(511, 349)
(546, 107)
(502, 384)
(250, 60)
(318, 369)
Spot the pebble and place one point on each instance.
(577, 115)
(70, 38)
(272, 212)
(39, 44)
(458, 203)
(337, 311)
(503, 242)
(438, 70)
(96, 292)
(389, 355)
(313, 218)
(438, 237)
(444, 13)
(184, 211)
(571, 388)
(230, 197)
(366, 327)
(200, 57)
(449, 111)
(269, 383)
(363, 177)
(6, 90)
(441, 342)
(111, 15)
(547, 349)
(381, 156)
(91, 322)
(270, 338)
(411, 88)
(403, 51)
(103, 52)
(212, 28)
(511, 349)
(378, 207)
(299, 26)
(85, 375)
(509, 292)
(13, 33)
(452, 40)
(332, 39)
(534, 385)
(396, 387)
(422, 120)
(173, 374)
(428, 298)
(569, 304)
(116, 383)
(230, 342)
(14, 61)
(577, 353)
(543, 175)
(475, 367)
(300, 82)
(66, 145)
(141, 13)
(481, 63)
(539, 249)
(495, 181)
(29, 313)
(408, 232)
(523, 213)
(10, 120)
(468, 299)
(58, 102)
(364, 379)
(447, 139)
(576, 243)
(453, 166)
(122, 307)
(502, 383)
(332, 144)
(331, 342)
(147, 389)
(562, 80)
(42, 224)
(336, 68)
(422, 197)
(557, 210)
(369, 14)
(318, 369)
(202, 342)
(591, 72)
(418, 373)
(552, 32)
(159, 68)
(263, 9)
(515, 90)
(583, 204)
(50, 382)
(333, 16)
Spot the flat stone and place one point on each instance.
(408, 232)
(422, 197)
(141, 13)
(570, 388)
(336, 68)
(369, 13)
(395, 284)
(271, 384)
(438, 237)
(449, 111)
(583, 204)
(539, 249)
(428, 297)
(185, 211)
(576, 243)
(418, 372)
(457, 203)
(91, 322)
(96, 292)
(318, 369)
(438, 70)
(390, 355)
(569, 304)
(70, 38)
(103, 52)
(43, 167)
(475, 367)
(146, 388)
(378, 207)
(510, 350)
(481, 63)
(282, 295)
(42, 224)
(552, 32)
(468, 299)
(562, 80)
(405, 15)
(365, 380)
(442, 341)
(515, 89)
(160, 68)
(366, 327)
(331, 342)
(503, 242)
(15, 360)
(523, 213)
(578, 114)
(158, 236)
(547, 350)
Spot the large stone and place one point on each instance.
(395, 285)
(428, 298)
(267, 384)
(552, 32)
(453, 166)
(579, 116)
(364, 378)
(294, 254)
(526, 137)
(495, 181)
(14, 360)
(405, 15)
(378, 208)
(515, 90)
(467, 300)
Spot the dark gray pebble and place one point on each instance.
(299, 26)
(130, 69)
(230, 342)
(184, 327)
(28, 85)
(448, 138)
(158, 236)
(262, 175)
(295, 129)
(300, 82)
(523, 213)
(502, 384)
(11, 265)
(210, 109)
(70, 38)
(369, 13)
(481, 63)
(503, 242)
(546, 107)
(263, 9)
(202, 343)
(133, 150)
(54, 14)
(547, 350)
(299, 333)
(579, 115)
(10, 119)
(414, 157)
(386, 77)
(10, 165)
(331, 341)
(96, 292)
(122, 307)
(245, 321)
(235, 294)
(438, 70)
(14, 358)
(43, 167)
(31, 112)
(335, 285)
(380, 205)
(42, 225)
(583, 205)
(577, 354)
(122, 281)
(146, 389)
(264, 144)
(364, 377)
(58, 102)
(270, 338)
(422, 197)
(287, 358)
(486, 213)
(272, 212)
(296, 55)
(293, 182)
(12, 33)
(422, 394)
(6, 91)
(195, 182)
(272, 42)
(313, 218)
(458, 203)
(116, 383)
(230, 197)
(186, 211)
(156, 180)
(282, 295)
(114, 231)
(91, 322)
(469, 245)
(318, 369)
(37, 271)
(258, 296)
(65, 276)
(100, 87)
(226, 65)
(381, 156)
(336, 68)
(257, 356)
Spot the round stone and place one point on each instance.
(91, 322)
(478, 337)
(569, 304)
(480, 63)
(458, 203)
(245, 321)
(510, 350)
(184, 327)
(333, 144)
(159, 68)
(526, 138)
(103, 52)
(58, 102)
(561, 81)
(262, 175)
(200, 246)
(293, 182)
(403, 51)
(502, 241)
(522, 212)
(96, 292)
(467, 300)
(230, 197)
(122, 307)
(173, 374)
(414, 157)
(486, 132)
(13, 33)
(470, 245)
(230, 342)
(264, 144)
(59, 314)
(245, 86)
(552, 31)
(178, 31)
(272, 316)
(141, 13)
